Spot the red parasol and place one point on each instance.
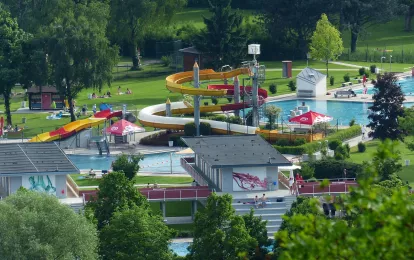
(311, 118)
(123, 127)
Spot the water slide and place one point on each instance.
(76, 126)
(154, 116)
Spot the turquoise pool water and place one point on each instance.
(152, 162)
(181, 248)
(341, 111)
(407, 86)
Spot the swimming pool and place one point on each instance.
(341, 111)
(181, 248)
(407, 87)
(152, 162)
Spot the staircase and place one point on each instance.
(103, 147)
(272, 213)
(77, 207)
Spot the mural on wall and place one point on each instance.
(40, 183)
(245, 181)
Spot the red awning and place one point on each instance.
(311, 118)
(123, 127)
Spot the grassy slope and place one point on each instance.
(407, 173)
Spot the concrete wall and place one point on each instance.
(271, 177)
(320, 87)
(82, 142)
(61, 188)
(227, 174)
(15, 183)
(318, 90)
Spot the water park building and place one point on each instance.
(43, 97)
(311, 83)
(232, 163)
(35, 166)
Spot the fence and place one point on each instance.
(399, 55)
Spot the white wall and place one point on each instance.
(254, 177)
(321, 87)
(318, 90)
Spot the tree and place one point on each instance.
(132, 19)
(135, 234)
(387, 107)
(326, 42)
(11, 56)
(408, 5)
(219, 233)
(116, 193)
(129, 164)
(386, 161)
(272, 113)
(224, 38)
(359, 15)
(257, 230)
(80, 54)
(290, 23)
(37, 226)
(380, 228)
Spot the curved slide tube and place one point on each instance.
(75, 127)
(155, 115)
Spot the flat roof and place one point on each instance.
(18, 159)
(227, 151)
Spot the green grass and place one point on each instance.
(395, 67)
(176, 208)
(137, 180)
(301, 64)
(182, 227)
(407, 173)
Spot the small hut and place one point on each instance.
(310, 83)
(43, 97)
(191, 55)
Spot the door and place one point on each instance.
(46, 100)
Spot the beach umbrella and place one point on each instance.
(311, 118)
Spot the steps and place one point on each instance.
(272, 213)
(103, 147)
(77, 207)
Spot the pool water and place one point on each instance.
(181, 248)
(407, 87)
(341, 111)
(151, 163)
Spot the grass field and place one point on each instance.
(407, 173)
(395, 67)
(80, 181)
(176, 208)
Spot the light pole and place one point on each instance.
(390, 62)
(307, 59)
(382, 59)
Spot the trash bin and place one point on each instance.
(23, 120)
(23, 104)
(407, 162)
(170, 143)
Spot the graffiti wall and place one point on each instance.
(249, 179)
(40, 183)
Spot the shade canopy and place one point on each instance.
(123, 127)
(311, 118)
(186, 151)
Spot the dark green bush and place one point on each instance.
(229, 99)
(333, 144)
(221, 118)
(366, 74)
(273, 88)
(331, 169)
(341, 152)
(352, 122)
(283, 142)
(332, 80)
(348, 149)
(190, 129)
(206, 103)
(296, 150)
(372, 68)
(214, 100)
(361, 147)
(347, 78)
(299, 141)
(292, 85)
(205, 128)
(361, 71)
(234, 120)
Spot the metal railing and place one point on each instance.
(185, 163)
(316, 189)
(176, 194)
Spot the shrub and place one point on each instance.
(299, 141)
(296, 150)
(234, 120)
(329, 168)
(307, 171)
(214, 100)
(205, 128)
(366, 74)
(372, 68)
(206, 103)
(166, 61)
(190, 129)
(352, 122)
(361, 71)
(273, 88)
(341, 152)
(361, 147)
(332, 80)
(348, 149)
(221, 118)
(347, 78)
(292, 85)
(229, 99)
(333, 144)
(346, 134)
(283, 142)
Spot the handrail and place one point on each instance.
(331, 188)
(198, 194)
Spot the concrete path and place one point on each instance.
(178, 220)
(346, 64)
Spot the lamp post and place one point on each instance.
(390, 62)
(307, 59)
(382, 59)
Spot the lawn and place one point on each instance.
(80, 181)
(395, 67)
(407, 173)
(176, 208)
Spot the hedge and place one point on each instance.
(330, 169)
(190, 129)
(342, 135)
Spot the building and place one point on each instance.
(234, 163)
(42, 98)
(310, 83)
(35, 166)
(191, 55)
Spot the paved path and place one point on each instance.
(178, 220)
(346, 64)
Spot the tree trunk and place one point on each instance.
(135, 58)
(354, 39)
(70, 101)
(327, 71)
(6, 96)
(407, 25)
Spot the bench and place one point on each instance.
(301, 130)
(346, 84)
(303, 92)
(344, 93)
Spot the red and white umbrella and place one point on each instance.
(123, 127)
(311, 118)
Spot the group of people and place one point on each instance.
(154, 186)
(298, 180)
(10, 128)
(106, 95)
(260, 203)
(128, 91)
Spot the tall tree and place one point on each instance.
(128, 164)
(136, 234)
(408, 6)
(11, 57)
(116, 193)
(387, 107)
(131, 20)
(219, 233)
(272, 113)
(257, 230)
(358, 15)
(290, 23)
(80, 54)
(326, 42)
(37, 226)
(387, 160)
(224, 38)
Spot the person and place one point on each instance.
(148, 185)
(92, 173)
(352, 92)
(119, 90)
(365, 90)
(16, 128)
(363, 132)
(256, 202)
(84, 110)
(194, 183)
(93, 95)
(94, 108)
(263, 200)
(108, 93)
(364, 80)
(128, 91)
(155, 185)
(291, 181)
(344, 174)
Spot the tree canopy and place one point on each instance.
(128, 164)
(37, 226)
